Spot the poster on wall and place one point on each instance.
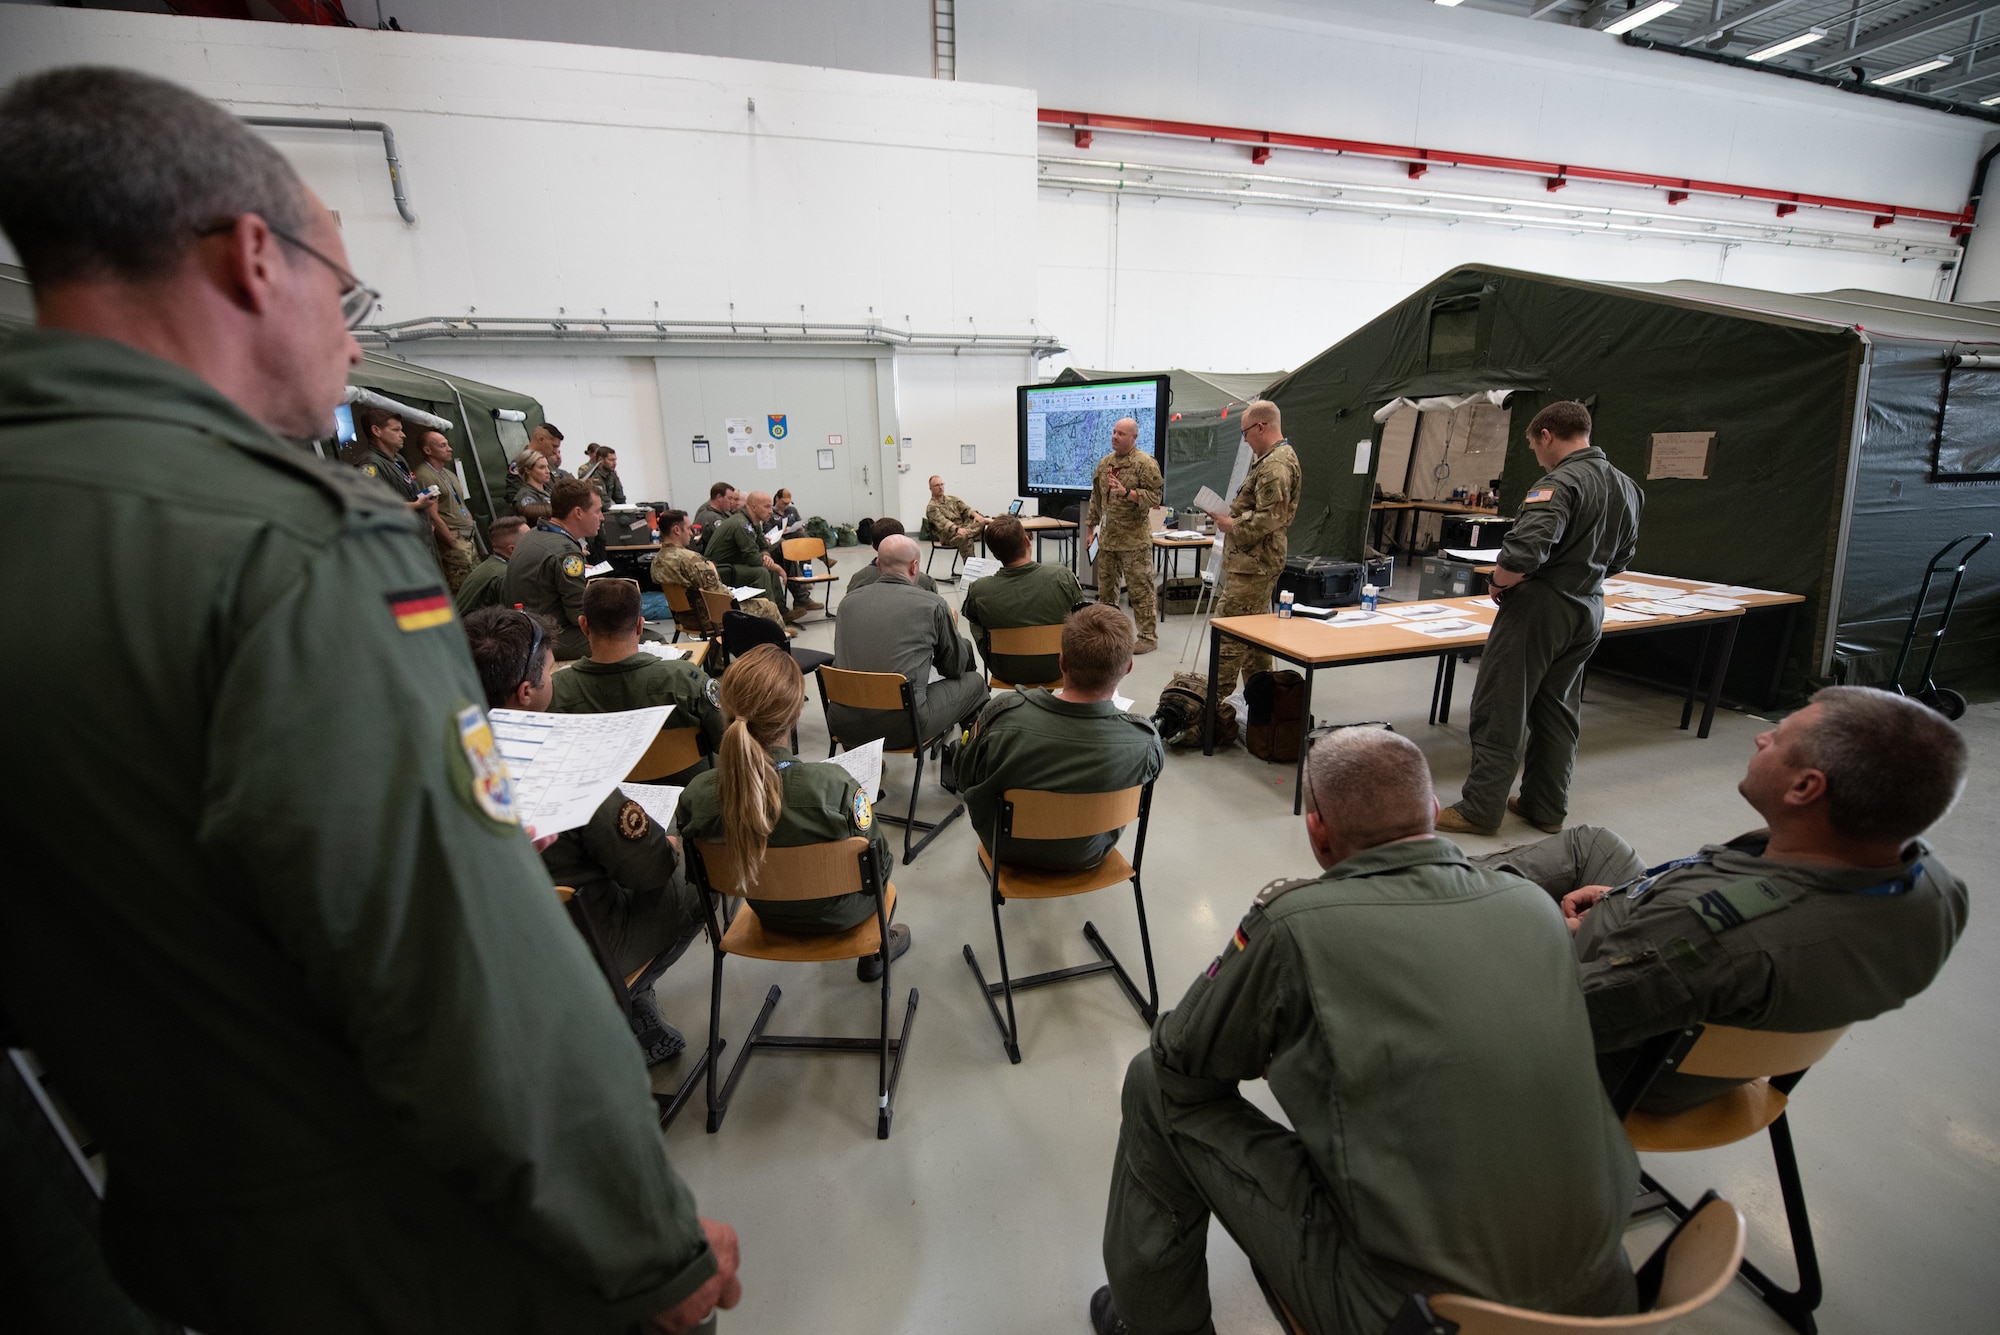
(826, 461)
(968, 454)
(736, 433)
(701, 449)
(1683, 454)
(767, 457)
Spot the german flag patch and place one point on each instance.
(420, 609)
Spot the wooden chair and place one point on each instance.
(689, 618)
(1683, 1275)
(1773, 1063)
(810, 549)
(956, 556)
(886, 692)
(1025, 641)
(673, 750)
(1031, 813)
(668, 1105)
(813, 871)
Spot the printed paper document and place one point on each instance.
(657, 800)
(1207, 500)
(563, 765)
(865, 764)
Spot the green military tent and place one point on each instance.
(1838, 440)
(489, 425)
(1202, 432)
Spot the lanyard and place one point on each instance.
(1636, 889)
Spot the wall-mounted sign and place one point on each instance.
(1685, 454)
(778, 427)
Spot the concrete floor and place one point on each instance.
(983, 1212)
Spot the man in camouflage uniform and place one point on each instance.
(953, 523)
(1832, 914)
(434, 469)
(1418, 1019)
(1255, 542)
(1577, 525)
(678, 563)
(1123, 493)
(545, 575)
(488, 580)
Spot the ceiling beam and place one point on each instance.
(1740, 17)
(1545, 6)
(1903, 30)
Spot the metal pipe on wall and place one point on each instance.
(358, 127)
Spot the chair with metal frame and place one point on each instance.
(1773, 1064)
(1031, 813)
(744, 631)
(1024, 642)
(888, 692)
(794, 550)
(672, 750)
(956, 556)
(1683, 1275)
(669, 1105)
(810, 871)
(689, 617)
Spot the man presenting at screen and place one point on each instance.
(1123, 492)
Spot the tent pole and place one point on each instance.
(1857, 438)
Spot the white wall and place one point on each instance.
(950, 401)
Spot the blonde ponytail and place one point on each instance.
(762, 695)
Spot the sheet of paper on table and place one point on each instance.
(1346, 616)
(1657, 591)
(743, 593)
(976, 567)
(1627, 586)
(1486, 603)
(1206, 500)
(657, 800)
(1449, 629)
(1710, 602)
(601, 568)
(1663, 608)
(1482, 554)
(1624, 614)
(563, 765)
(1732, 591)
(1186, 535)
(1417, 611)
(865, 764)
(658, 650)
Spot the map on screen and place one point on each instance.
(1067, 429)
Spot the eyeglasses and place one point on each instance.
(357, 299)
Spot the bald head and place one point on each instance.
(1261, 428)
(898, 555)
(758, 506)
(1366, 787)
(1124, 435)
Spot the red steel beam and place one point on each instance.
(1421, 159)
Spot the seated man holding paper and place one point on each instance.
(1833, 913)
(1021, 593)
(620, 674)
(741, 551)
(1074, 739)
(678, 563)
(622, 862)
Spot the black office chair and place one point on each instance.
(744, 631)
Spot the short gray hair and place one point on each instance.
(109, 173)
(1893, 767)
(1371, 784)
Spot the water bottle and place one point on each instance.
(1285, 604)
(805, 570)
(1370, 595)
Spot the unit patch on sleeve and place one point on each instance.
(713, 691)
(1737, 903)
(632, 820)
(572, 567)
(420, 609)
(864, 811)
(492, 790)
(1538, 495)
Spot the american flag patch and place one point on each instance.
(1544, 494)
(420, 609)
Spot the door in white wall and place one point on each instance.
(826, 403)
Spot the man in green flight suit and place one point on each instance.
(1418, 1019)
(742, 557)
(1831, 914)
(619, 675)
(1577, 525)
(433, 469)
(620, 862)
(601, 471)
(894, 626)
(1021, 593)
(364, 1010)
(486, 583)
(886, 527)
(546, 573)
(1071, 740)
(1255, 540)
(1123, 492)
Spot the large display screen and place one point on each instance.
(1066, 429)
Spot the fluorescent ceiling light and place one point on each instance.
(1910, 72)
(1448, 4)
(1640, 17)
(1776, 49)
(1990, 101)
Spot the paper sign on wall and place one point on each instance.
(826, 461)
(968, 454)
(767, 458)
(701, 449)
(1362, 449)
(835, 440)
(737, 434)
(1686, 454)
